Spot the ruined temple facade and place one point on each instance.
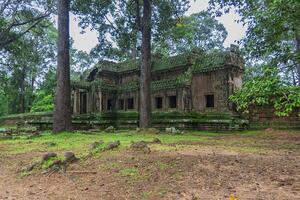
(195, 82)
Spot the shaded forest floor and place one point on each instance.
(197, 165)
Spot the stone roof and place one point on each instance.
(158, 63)
(199, 60)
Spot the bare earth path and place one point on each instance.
(183, 170)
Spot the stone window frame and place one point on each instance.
(109, 101)
(155, 102)
(127, 103)
(169, 102)
(206, 95)
(123, 104)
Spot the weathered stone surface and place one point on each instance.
(47, 156)
(70, 156)
(172, 130)
(156, 141)
(141, 146)
(113, 145)
(96, 144)
(110, 129)
(146, 150)
(30, 167)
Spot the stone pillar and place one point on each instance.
(76, 106)
(100, 101)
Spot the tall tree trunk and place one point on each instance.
(22, 90)
(62, 113)
(136, 29)
(298, 55)
(134, 50)
(145, 77)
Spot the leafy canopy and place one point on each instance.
(267, 89)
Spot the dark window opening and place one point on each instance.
(121, 104)
(83, 103)
(210, 101)
(130, 104)
(172, 102)
(109, 104)
(158, 102)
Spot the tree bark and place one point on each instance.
(298, 55)
(145, 77)
(62, 113)
(136, 29)
(22, 90)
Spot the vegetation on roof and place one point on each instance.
(181, 80)
(160, 63)
(210, 60)
(200, 61)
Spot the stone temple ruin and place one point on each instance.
(193, 88)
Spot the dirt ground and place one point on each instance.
(183, 170)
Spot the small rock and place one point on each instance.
(153, 130)
(70, 156)
(47, 156)
(94, 145)
(110, 129)
(137, 130)
(172, 130)
(142, 145)
(101, 142)
(139, 145)
(113, 145)
(30, 167)
(156, 141)
(146, 150)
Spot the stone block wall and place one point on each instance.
(264, 117)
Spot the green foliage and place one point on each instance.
(210, 60)
(3, 104)
(159, 63)
(273, 33)
(131, 86)
(288, 101)
(119, 39)
(50, 162)
(200, 30)
(267, 89)
(42, 103)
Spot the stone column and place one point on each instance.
(100, 101)
(76, 106)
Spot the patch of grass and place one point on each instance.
(129, 172)
(145, 195)
(110, 166)
(248, 141)
(23, 174)
(47, 164)
(7, 126)
(163, 166)
(79, 143)
(162, 191)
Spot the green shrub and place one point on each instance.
(267, 90)
(43, 103)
